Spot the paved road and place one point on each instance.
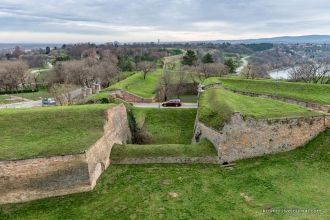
(26, 104)
(244, 64)
(157, 105)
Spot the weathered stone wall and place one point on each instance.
(129, 97)
(116, 131)
(244, 138)
(168, 160)
(25, 180)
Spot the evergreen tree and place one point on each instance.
(231, 64)
(208, 58)
(190, 58)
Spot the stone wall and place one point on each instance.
(129, 97)
(29, 179)
(168, 160)
(243, 138)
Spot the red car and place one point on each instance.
(172, 103)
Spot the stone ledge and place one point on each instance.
(168, 160)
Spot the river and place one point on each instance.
(280, 74)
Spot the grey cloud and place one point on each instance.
(225, 17)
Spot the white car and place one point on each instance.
(48, 102)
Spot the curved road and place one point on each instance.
(244, 64)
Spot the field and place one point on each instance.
(217, 106)
(301, 91)
(135, 84)
(49, 131)
(167, 126)
(298, 179)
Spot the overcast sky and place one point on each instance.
(68, 21)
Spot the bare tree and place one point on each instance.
(250, 71)
(61, 93)
(165, 83)
(146, 67)
(311, 72)
(83, 72)
(13, 74)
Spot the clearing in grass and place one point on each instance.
(218, 105)
(27, 133)
(135, 84)
(200, 191)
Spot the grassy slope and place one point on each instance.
(204, 148)
(203, 191)
(35, 95)
(34, 132)
(167, 126)
(3, 99)
(137, 85)
(217, 105)
(301, 91)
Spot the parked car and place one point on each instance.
(172, 103)
(48, 102)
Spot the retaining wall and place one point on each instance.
(243, 138)
(129, 97)
(29, 179)
(168, 160)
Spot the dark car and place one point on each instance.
(172, 103)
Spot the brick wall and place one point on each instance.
(244, 138)
(25, 180)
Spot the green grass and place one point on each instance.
(167, 126)
(42, 93)
(211, 80)
(300, 91)
(27, 133)
(4, 99)
(202, 149)
(135, 84)
(297, 179)
(218, 105)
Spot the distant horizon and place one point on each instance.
(164, 42)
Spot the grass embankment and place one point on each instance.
(27, 133)
(167, 126)
(135, 84)
(298, 179)
(204, 148)
(6, 99)
(42, 93)
(218, 105)
(317, 93)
